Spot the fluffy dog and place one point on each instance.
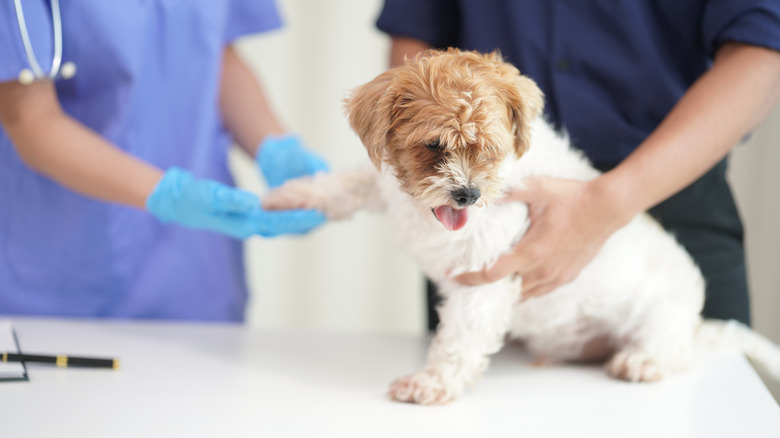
(448, 134)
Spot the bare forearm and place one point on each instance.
(730, 100)
(59, 147)
(84, 162)
(246, 111)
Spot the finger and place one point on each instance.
(524, 193)
(276, 223)
(504, 266)
(316, 164)
(236, 225)
(267, 224)
(537, 289)
(531, 192)
(305, 163)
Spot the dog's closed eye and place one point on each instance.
(435, 146)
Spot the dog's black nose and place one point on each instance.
(466, 196)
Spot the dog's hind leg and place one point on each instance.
(654, 351)
(474, 322)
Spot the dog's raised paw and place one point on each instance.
(297, 193)
(425, 388)
(635, 366)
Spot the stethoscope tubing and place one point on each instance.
(28, 49)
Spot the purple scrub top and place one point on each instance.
(148, 81)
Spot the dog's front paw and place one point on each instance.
(295, 193)
(635, 366)
(425, 388)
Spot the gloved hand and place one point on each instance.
(201, 203)
(285, 157)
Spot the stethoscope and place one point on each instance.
(34, 73)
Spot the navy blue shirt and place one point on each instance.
(610, 69)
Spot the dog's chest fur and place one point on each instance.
(439, 251)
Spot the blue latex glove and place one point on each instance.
(205, 204)
(283, 158)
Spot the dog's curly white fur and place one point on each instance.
(448, 134)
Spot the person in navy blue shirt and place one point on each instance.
(655, 92)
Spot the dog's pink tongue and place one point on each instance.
(451, 218)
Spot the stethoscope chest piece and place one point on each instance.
(26, 76)
(35, 72)
(68, 70)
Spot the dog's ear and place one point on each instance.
(524, 100)
(369, 111)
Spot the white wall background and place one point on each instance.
(350, 276)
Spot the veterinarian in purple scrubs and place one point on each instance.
(655, 92)
(115, 191)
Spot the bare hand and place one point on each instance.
(570, 221)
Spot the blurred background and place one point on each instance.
(350, 276)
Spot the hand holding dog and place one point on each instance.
(570, 221)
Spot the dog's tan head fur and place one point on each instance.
(444, 122)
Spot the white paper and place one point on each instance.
(9, 370)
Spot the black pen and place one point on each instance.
(62, 360)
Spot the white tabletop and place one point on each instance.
(214, 380)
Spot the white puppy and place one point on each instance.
(450, 133)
